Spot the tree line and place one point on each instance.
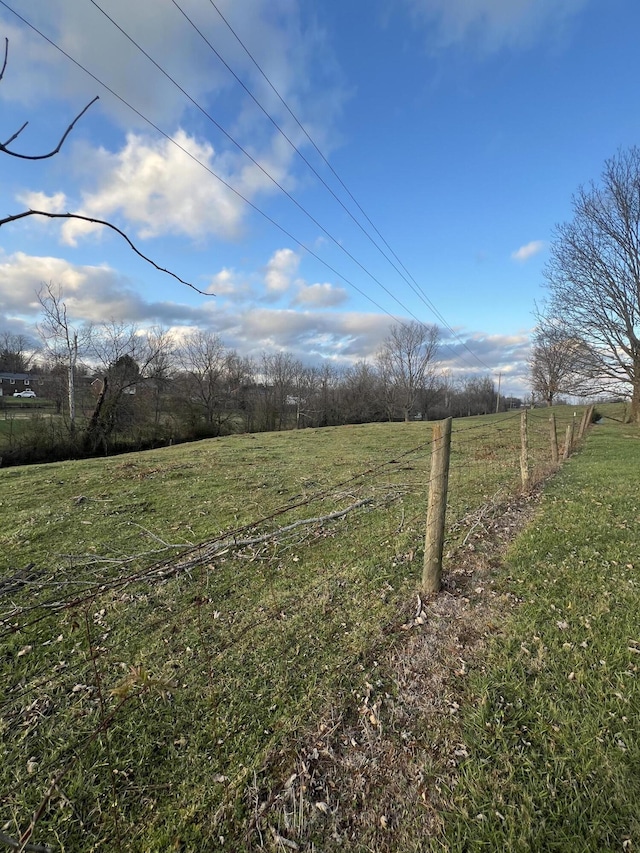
(114, 386)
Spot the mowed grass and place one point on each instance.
(138, 710)
(552, 725)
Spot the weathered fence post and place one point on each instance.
(524, 451)
(583, 423)
(586, 420)
(568, 441)
(434, 541)
(554, 439)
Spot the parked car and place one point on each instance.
(26, 393)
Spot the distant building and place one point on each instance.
(12, 382)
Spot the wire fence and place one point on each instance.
(142, 693)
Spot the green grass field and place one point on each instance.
(552, 725)
(142, 705)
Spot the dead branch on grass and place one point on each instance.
(166, 569)
(14, 844)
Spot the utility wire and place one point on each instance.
(195, 159)
(415, 286)
(241, 148)
(253, 160)
(267, 173)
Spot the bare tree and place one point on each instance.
(16, 353)
(63, 341)
(556, 362)
(325, 395)
(240, 376)
(406, 362)
(134, 366)
(280, 373)
(203, 358)
(594, 279)
(160, 367)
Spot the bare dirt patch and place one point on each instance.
(375, 774)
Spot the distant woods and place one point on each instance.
(109, 387)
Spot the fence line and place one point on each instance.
(138, 651)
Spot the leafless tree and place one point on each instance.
(406, 362)
(361, 398)
(203, 358)
(240, 376)
(324, 401)
(280, 372)
(557, 361)
(161, 365)
(63, 341)
(16, 352)
(594, 279)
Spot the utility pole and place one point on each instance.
(498, 401)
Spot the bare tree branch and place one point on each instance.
(15, 216)
(6, 56)
(23, 214)
(3, 145)
(5, 150)
(11, 138)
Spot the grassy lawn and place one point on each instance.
(552, 724)
(140, 705)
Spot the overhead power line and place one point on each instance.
(207, 168)
(241, 148)
(301, 207)
(415, 287)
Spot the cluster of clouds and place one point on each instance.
(249, 325)
(157, 186)
(487, 26)
(176, 182)
(291, 50)
(242, 314)
(281, 278)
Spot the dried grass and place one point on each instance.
(375, 774)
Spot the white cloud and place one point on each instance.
(306, 334)
(147, 180)
(228, 282)
(290, 47)
(280, 270)
(319, 295)
(98, 293)
(161, 189)
(524, 253)
(505, 354)
(92, 293)
(490, 25)
(56, 203)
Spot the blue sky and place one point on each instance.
(461, 127)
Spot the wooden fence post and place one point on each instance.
(554, 439)
(583, 423)
(524, 451)
(586, 420)
(434, 540)
(568, 441)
